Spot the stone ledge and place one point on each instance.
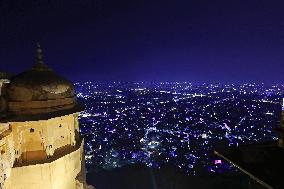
(57, 155)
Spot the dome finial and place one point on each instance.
(39, 59)
(39, 54)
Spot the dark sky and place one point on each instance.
(227, 41)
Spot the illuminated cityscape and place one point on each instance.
(141, 94)
(180, 124)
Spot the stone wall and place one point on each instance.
(59, 174)
(6, 154)
(45, 154)
(37, 140)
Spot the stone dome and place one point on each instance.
(39, 89)
(35, 85)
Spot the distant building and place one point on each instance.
(40, 143)
(262, 162)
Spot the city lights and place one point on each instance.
(174, 123)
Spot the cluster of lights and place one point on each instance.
(174, 123)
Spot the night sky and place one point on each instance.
(226, 41)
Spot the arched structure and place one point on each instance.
(40, 144)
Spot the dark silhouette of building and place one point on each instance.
(262, 162)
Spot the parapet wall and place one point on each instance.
(59, 174)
